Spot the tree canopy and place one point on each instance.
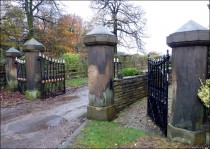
(124, 19)
(41, 19)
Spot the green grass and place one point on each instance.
(101, 134)
(76, 82)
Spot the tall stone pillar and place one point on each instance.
(11, 68)
(33, 73)
(189, 64)
(100, 44)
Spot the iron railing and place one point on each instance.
(52, 76)
(117, 69)
(2, 75)
(21, 75)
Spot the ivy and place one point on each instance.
(204, 93)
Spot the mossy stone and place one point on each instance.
(32, 95)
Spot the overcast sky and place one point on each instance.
(163, 18)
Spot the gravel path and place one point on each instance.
(136, 116)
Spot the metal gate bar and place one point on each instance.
(21, 75)
(157, 104)
(52, 76)
(2, 75)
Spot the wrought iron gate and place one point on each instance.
(157, 104)
(52, 76)
(2, 75)
(21, 75)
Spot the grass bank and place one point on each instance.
(101, 134)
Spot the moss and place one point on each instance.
(12, 85)
(108, 97)
(32, 95)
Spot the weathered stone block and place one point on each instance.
(101, 113)
(186, 136)
(208, 138)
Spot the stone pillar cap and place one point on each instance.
(12, 52)
(191, 26)
(100, 36)
(33, 45)
(190, 34)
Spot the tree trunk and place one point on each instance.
(29, 14)
(115, 30)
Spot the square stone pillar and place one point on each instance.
(189, 60)
(100, 44)
(11, 68)
(33, 73)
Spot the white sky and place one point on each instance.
(163, 18)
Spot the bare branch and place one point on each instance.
(124, 19)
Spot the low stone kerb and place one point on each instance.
(100, 36)
(33, 45)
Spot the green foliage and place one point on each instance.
(76, 82)
(72, 60)
(204, 93)
(101, 134)
(12, 26)
(130, 71)
(2, 59)
(136, 61)
(76, 65)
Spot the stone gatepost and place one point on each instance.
(11, 68)
(33, 73)
(189, 64)
(100, 44)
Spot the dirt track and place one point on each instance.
(35, 124)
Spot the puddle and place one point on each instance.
(28, 126)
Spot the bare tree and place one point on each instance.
(125, 20)
(38, 9)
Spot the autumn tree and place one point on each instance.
(64, 36)
(124, 19)
(12, 26)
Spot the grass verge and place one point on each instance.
(76, 82)
(101, 134)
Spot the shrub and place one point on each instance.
(76, 65)
(71, 60)
(204, 93)
(130, 71)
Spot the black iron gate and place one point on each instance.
(21, 75)
(157, 104)
(117, 69)
(52, 76)
(2, 75)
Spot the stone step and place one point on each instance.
(206, 126)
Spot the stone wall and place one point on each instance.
(128, 90)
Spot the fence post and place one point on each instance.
(100, 44)
(33, 73)
(189, 60)
(11, 68)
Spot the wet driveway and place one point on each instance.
(43, 125)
